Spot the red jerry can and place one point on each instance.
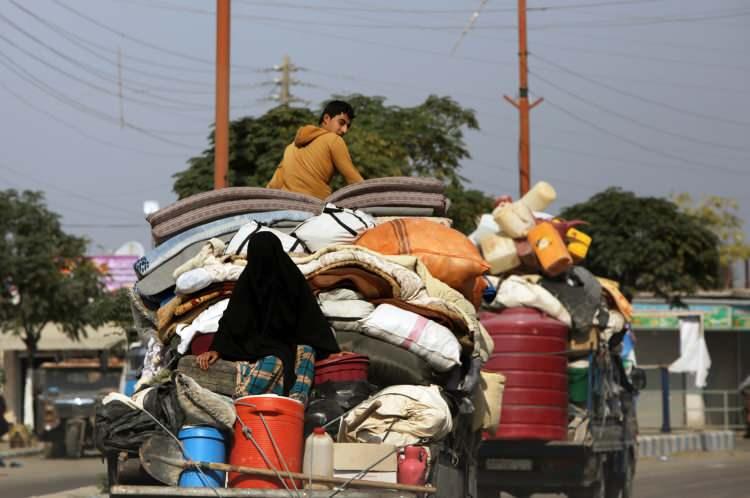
(529, 352)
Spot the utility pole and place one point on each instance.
(523, 105)
(221, 136)
(285, 82)
(284, 94)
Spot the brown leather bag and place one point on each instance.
(448, 254)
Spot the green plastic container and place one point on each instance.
(578, 384)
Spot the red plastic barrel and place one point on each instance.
(342, 367)
(284, 418)
(527, 352)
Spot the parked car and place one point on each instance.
(65, 407)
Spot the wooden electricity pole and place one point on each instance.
(221, 136)
(523, 105)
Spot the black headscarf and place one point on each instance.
(271, 311)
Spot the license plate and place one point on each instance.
(509, 464)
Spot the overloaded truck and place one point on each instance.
(567, 420)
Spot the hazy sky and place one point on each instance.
(649, 95)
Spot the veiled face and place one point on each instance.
(263, 250)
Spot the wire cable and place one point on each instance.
(138, 41)
(104, 76)
(80, 131)
(83, 108)
(72, 193)
(638, 122)
(640, 97)
(86, 46)
(683, 160)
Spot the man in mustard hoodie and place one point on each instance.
(318, 152)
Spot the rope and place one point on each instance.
(188, 462)
(279, 455)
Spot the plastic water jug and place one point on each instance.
(412, 466)
(515, 220)
(318, 459)
(500, 253)
(550, 249)
(578, 244)
(539, 197)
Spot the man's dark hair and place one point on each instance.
(336, 107)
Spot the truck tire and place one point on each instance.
(620, 481)
(597, 489)
(54, 448)
(74, 438)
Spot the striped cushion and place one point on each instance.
(437, 202)
(185, 221)
(389, 184)
(225, 195)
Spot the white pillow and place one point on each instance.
(238, 244)
(334, 226)
(346, 315)
(429, 340)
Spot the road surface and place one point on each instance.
(699, 475)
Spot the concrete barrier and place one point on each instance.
(666, 444)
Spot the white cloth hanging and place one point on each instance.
(694, 357)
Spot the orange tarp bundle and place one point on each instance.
(448, 254)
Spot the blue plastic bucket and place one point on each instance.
(205, 444)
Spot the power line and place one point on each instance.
(386, 10)
(69, 125)
(89, 69)
(73, 193)
(642, 124)
(612, 53)
(42, 86)
(86, 46)
(640, 97)
(133, 39)
(685, 161)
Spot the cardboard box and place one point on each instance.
(370, 476)
(359, 456)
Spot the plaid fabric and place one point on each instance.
(304, 368)
(267, 376)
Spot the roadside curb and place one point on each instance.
(22, 452)
(667, 444)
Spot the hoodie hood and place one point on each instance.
(307, 134)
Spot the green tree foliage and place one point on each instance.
(719, 214)
(44, 275)
(424, 140)
(647, 244)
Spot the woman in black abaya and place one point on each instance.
(272, 311)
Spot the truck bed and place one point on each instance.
(173, 491)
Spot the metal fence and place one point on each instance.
(667, 408)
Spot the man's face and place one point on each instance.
(338, 124)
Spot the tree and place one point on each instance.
(647, 244)
(719, 214)
(425, 140)
(45, 277)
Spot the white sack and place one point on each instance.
(346, 315)
(694, 357)
(429, 340)
(516, 291)
(335, 226)
(205, 323)
(408, 414)
(200, 278)
(238, 245)
(341, 294)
